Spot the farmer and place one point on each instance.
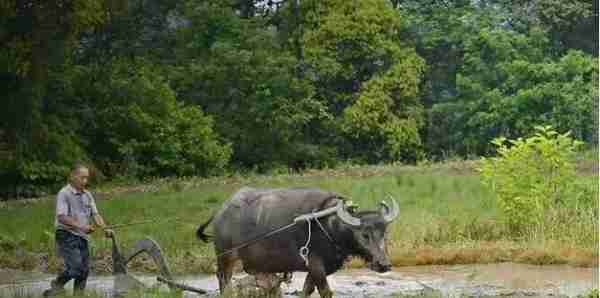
(75, 209)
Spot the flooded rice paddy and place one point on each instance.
(480, 280)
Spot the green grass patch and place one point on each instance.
(446, 217)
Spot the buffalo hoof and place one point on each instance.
(259, 285)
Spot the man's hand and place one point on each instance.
(88, 229)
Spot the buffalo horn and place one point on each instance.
(389, 214)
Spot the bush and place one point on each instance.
(593, 293)
(535, 183)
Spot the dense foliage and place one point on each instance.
(197, 87)
(536, 186)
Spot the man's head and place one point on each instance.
(79, 176)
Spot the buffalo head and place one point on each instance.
(368, 230)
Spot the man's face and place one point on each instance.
(79, 178)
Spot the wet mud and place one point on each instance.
(485, 280)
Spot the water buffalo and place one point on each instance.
(241, 224)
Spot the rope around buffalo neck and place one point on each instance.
(304, 249)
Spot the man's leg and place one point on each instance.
(81, 280)
(67, 249)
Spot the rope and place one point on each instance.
(261, 237)
(324, 231)
(124, 225)
(304, 249)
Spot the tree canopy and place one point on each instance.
(201, 87)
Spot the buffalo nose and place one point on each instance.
(386, 268)
(381, 268)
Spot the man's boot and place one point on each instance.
(56, 288)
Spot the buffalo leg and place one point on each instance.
(316, 271)
(309, 286)
(224, 271)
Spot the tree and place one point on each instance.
(138, 128)
(34, 36)
(237, 71)
(468, 46)
(367, 76)
(132, 29)
(570, 24)
(37, 36)
(508, 84)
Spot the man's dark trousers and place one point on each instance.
(76, 254)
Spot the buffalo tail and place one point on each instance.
(200, 232)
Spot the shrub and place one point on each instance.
(592, 293)
(534, 180)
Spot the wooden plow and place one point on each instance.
(125, 282)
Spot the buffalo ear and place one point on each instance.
(351, 206)
(346, 216)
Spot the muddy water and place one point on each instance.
(506, 279)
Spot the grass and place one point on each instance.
(446, 217)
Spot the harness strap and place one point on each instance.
(325, 232)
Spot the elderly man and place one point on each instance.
(75, 210)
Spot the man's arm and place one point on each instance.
(100, 222)
(98, 218)
(95, 214)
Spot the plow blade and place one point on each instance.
(125, 282)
